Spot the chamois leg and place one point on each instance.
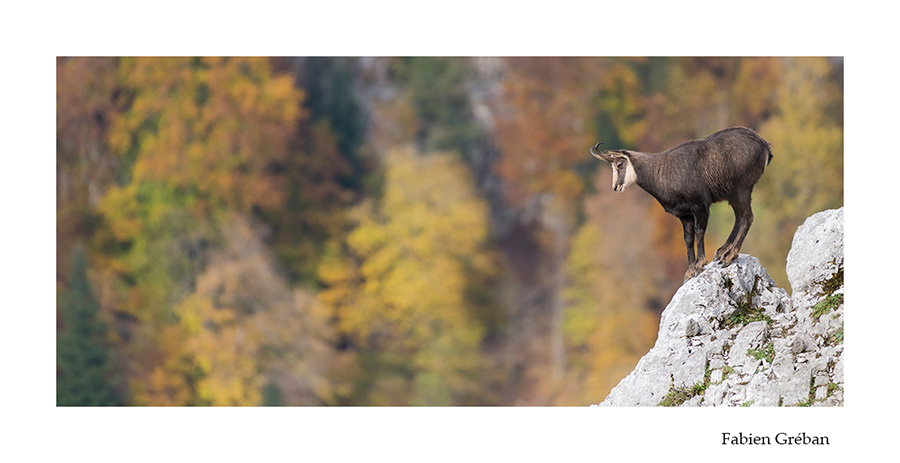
(701, 217)
(687, 222)
(743, 218)
(693, 232)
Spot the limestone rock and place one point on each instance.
(731, 337)
(817, 251)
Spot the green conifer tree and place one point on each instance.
(84, 367)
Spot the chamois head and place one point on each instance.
(623, 169)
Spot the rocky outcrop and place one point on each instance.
(731, 337)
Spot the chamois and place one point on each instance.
(688, 178)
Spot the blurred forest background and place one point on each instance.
(396, 231)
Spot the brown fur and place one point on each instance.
(690, 177)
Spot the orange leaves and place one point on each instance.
(208, 125)
(544, 125)
(754, 91)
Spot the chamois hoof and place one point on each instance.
(691, 273)
(694, 270)
(688, 275)
(726, 258)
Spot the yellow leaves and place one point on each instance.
(436, 198)
(368, 235)
(227, 360)
(581, 318)
(121, 210)
(429, 206)
(807, 140)
(240, 310)
(282, 95)
(414, 248)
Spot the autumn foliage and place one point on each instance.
(396, 231)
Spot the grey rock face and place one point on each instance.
(817, 251)
(731, 337)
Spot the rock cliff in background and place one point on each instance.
(731, 337)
